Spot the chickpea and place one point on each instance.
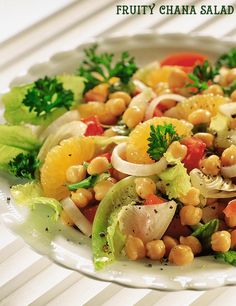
(116, 106)
(192, 197)
(81, 197)
(135, 248)
(181, 255)
(177, 78)
(121, 95)
(193, 243)
(228, 157)
(109, 133)
(215, 90)
(199, 116)
(133, 116)
(233, 96)
(66, 219)
(102, 188)
(98, 93)
(207, 138)
(233, 239)
(221, 241)
(75, 174)
(230, 221)
(155, 249)
(177, 150)
(211, 165)
(190, 215)
(169, 243)
(98, 165)
(230, 76)
(144, 187)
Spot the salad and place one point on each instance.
(140, 159)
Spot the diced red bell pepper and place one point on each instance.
(93, 126)
(152, 199)
(107, 155)
(195, 152)
(158, 112)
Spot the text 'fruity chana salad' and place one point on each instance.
(142, 160)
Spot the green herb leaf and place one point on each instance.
(24, 165)
(228, 257)
(229, 89)
(204, 232)
(201, 75)
(227, 59)
(89, 182)
(98, 68)
(47, 95)
(160, 138)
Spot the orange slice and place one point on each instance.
(72, 151)
(137, 145)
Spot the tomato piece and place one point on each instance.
(230, 209)
(89, 212)
(157, 112)
(184, 59)
(152, 199)
(195, 151)
(176, 229)
(93, 126)
(107, 155)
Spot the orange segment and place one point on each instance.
(153, 74)
(72, 151)
(208, 102)
(137, 146)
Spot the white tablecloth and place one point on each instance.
(31, 31)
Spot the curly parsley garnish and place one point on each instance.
(227, 59)
(98, 68)
(24, 165)
(201, 75)
(160, 138)
(46, 95)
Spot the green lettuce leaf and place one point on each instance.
(31, 195)
(175, 179)
(7, 153)
(204, 232)
(20, 137)
(16, 112)
(228, 257)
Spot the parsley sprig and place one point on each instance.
(99, 68)
(201, 76)
(227, 59)
(160, 138)
(24, 165)
(46, 95)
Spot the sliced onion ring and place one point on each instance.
(229, 171)
(152, 106)
(135, 169)
(76, 216)
(228, 109)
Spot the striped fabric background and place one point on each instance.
(27, 278)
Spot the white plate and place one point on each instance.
(67, 246)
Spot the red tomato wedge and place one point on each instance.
(195, 151)
(152, 199)
(93, 126)
(89, 212)
(230, 209)
(185, 60)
